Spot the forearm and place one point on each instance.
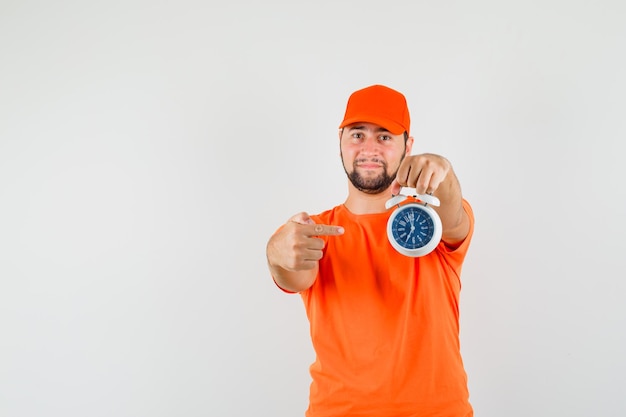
(453, 217)
(293, 281)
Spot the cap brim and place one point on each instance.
(393, 127)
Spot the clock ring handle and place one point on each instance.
(425, 198)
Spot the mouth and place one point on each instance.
(369, 165)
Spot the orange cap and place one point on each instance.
(379, 105)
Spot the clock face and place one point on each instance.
(414, 229)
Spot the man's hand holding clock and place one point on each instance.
(423, 172)
(432, 176)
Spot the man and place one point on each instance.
(384, 326)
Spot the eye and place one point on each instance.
(384, 138)
(357, 135)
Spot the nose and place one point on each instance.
(370, 146)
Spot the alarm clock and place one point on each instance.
(414, 228)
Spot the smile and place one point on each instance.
(369, 165)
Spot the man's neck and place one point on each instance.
(359, 202)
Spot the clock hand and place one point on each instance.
(412, 229)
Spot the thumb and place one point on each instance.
(395, 187)
(302, 218)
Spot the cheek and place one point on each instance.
(394, 159)
(347, 153)
(346, 160)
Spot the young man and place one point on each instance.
(384, 326)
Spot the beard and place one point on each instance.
(370, 185)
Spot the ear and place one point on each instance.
(409, 145)
(340, 134)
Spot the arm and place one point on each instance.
(429, 173)
(294, 251)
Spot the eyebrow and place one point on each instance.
(359, 127)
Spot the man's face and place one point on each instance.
(371, 156)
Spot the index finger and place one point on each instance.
(323, 230)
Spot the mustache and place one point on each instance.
(374, 160)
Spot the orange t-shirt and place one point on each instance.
(385, 327)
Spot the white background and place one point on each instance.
(148, 149)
